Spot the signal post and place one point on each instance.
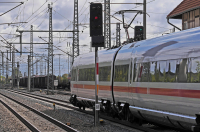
(96, 31)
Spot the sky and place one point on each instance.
(35, 12)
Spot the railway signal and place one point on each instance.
(96, 31)
(139, 32)
(96, 21)
(96, 25)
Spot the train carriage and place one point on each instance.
(157, 80)
(40, 81)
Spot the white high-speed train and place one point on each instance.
(155, 80)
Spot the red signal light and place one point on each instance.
(96, 18)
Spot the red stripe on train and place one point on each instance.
(152, 91)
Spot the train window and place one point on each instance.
(171, 71)
(104, 73)
(82, 74)
(153, 76)
(121, 73)
(182, 70)
(73, 78)
(141, 72)
(189, 69)
(136, 72)
(87, 74)
(161, 68)
(195, 70)
(144, 72)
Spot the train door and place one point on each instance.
(133, 82)
(130, 79)
(134, 86)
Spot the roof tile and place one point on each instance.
(183, 6)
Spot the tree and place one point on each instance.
(65, 78)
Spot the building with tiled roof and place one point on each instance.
(188, 11)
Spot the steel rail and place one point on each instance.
(30, 94)
(23, 120)
(103, 116)
(52, 120)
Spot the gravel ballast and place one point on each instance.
(80, 121)
(10, 123)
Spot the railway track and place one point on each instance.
(48, 120)
(22, 119)
(90, 112)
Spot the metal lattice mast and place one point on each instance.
(45, 68)
(144, 19)
(107, 30)
(59, 65)
(0, 75)
(31, 58)
(118, 41)
(17, 75)
(13, 66)
(75, 33)
(2, 64)
(41, 67)
(50, 53)
(7, 68)
(36, 67)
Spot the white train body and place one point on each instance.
(159, 79)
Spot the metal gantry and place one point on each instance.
(13, 66)
(29, 73)
(36, 67)
(144, 19)
(50, 53)
(107, 28)
(31, 58)
(7, 68)
(76, 32)
(17, 75)
(0, 75)
(2, 63)
(118, 41)
(41, 67)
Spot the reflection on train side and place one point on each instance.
(182, 70)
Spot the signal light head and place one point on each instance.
(96, 18)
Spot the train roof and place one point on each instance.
(183, 44)
(105, 56)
